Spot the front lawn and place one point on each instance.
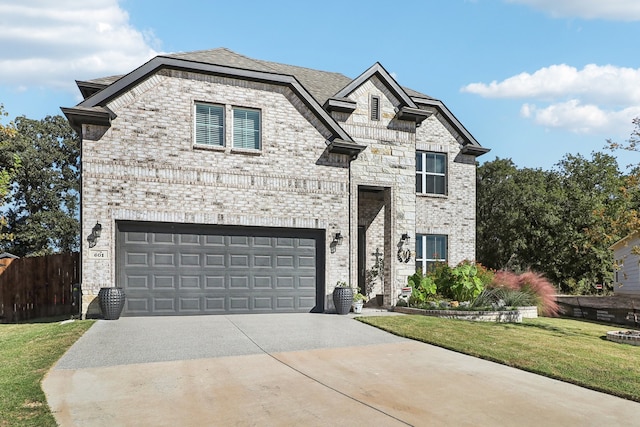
(27, 352)
(569, 350)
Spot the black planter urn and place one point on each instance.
(111, 302)
(342, 299)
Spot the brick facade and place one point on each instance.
(144, 166)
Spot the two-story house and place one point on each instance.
(217, 183)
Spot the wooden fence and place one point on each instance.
(38, 287)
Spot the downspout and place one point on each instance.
(351, 158)
(79, 284)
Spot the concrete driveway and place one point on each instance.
(300, 369)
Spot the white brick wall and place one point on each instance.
(145, 167)
(454, 214)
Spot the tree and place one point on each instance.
(42, 203)
(559, 222)
(7, 172)
(516, 215)
(600, 211)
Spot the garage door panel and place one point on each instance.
(164, 282)
(237, 260)
(238, 282)
(164, 305)
(214, 241)
(189, 260)
(164, 259)
(239, 304)
(190, 305)
(285, 303)
(262, 261)
(263, 282)
(263, 242)
(173, 269)
(306, 262)
(239, 241)
(189, 282)
(189, 239)
(214, 260)
(137, 259)
(215, 282)
(215, 305)
(284, 261)
(136, 237)
(137, 282)
(163, 238)
(136, 305)
(308, 282)
(306, 303)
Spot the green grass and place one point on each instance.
(569, 350)
(27, 352)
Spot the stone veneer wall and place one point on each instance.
(389, 163)
(146, 168)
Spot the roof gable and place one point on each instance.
(382, 74)
(258, 72)
(321, 91)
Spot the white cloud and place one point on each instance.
(581, 118)
(594, 100)
(614, 10)
(606, 84)
(51, 44)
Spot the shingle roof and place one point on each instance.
(321, 84)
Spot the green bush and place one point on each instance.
(461, 283)
(422, 287)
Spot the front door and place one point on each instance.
(362, 260)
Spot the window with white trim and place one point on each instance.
(209, 129)
(246, 128)
(430, 250)
(431, 173)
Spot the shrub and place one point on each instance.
(464, 282)
(505, 279)
(422, 287)
(502, 298)
(534, 284)
(543, 290)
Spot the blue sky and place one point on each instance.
(530, 79)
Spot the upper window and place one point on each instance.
(209, 124)
(246, 128)
(375, 107)
(431, 173)
(430, 250)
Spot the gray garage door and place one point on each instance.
(179, 269)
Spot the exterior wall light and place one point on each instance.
(96, 232)
(338, 238)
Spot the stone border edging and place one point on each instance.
(513, 316)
